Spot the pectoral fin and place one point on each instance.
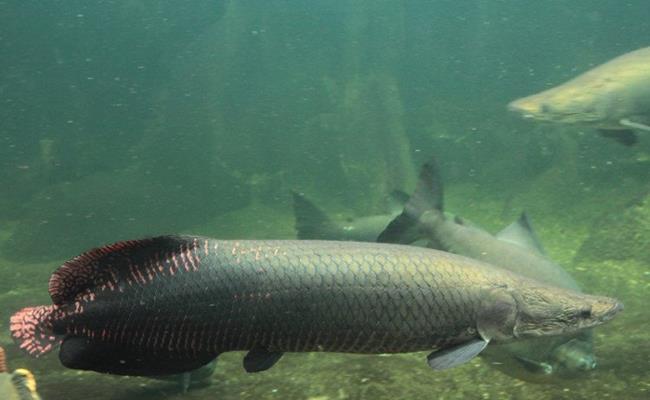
(521, 233)
(258, 360)
(634, 125)
(454, 356)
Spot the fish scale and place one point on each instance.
(234, 280)
(171, 304)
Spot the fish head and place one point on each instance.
(547, 311)
(574, 356)
(559, 105)
(553, 357)
(544, 359)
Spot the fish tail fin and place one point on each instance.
(428, 194)
(311, 221)
(427, 198)
(31, 328)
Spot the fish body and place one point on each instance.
(171, 304)
(473, 242)
(17, 385)
(523, 254)
(516, 249)
(613, 97)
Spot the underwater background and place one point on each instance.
(123, 119)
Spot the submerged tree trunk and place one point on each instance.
(312, 105)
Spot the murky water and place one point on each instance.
(128, 119)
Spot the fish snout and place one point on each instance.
(604, 309)
(525, 106)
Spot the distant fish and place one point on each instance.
(195, 378)
(17, 385)
(613, 97)
(313, 224)
(517, 249)
(171, 304)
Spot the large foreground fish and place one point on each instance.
(17, 385)
(613, 97)
(517, 249)
(171, 304)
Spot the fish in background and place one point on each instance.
(313, 224)
(517, 249)
(171, 304)
(535, 360)
(613, 97)
(17, 385)
(195, 378)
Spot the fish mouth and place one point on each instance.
(513, 106)
(606, 311)
(526, 111)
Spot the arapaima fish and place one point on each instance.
(171, 304)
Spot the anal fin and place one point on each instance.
(454, 356)
(258, 359)
(85, 354)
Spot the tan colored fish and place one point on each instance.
(17, 385)
(613, 97)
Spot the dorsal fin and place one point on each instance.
(114, 260)
(426, 197)
(428, 191)
(521, 233)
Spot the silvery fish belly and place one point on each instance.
(171, 304)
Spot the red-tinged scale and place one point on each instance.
(171, 304)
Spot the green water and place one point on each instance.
(123, 119)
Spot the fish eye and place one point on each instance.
(545, 108)
(585, 313)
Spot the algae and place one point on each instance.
(620, 235)
(134, 118)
